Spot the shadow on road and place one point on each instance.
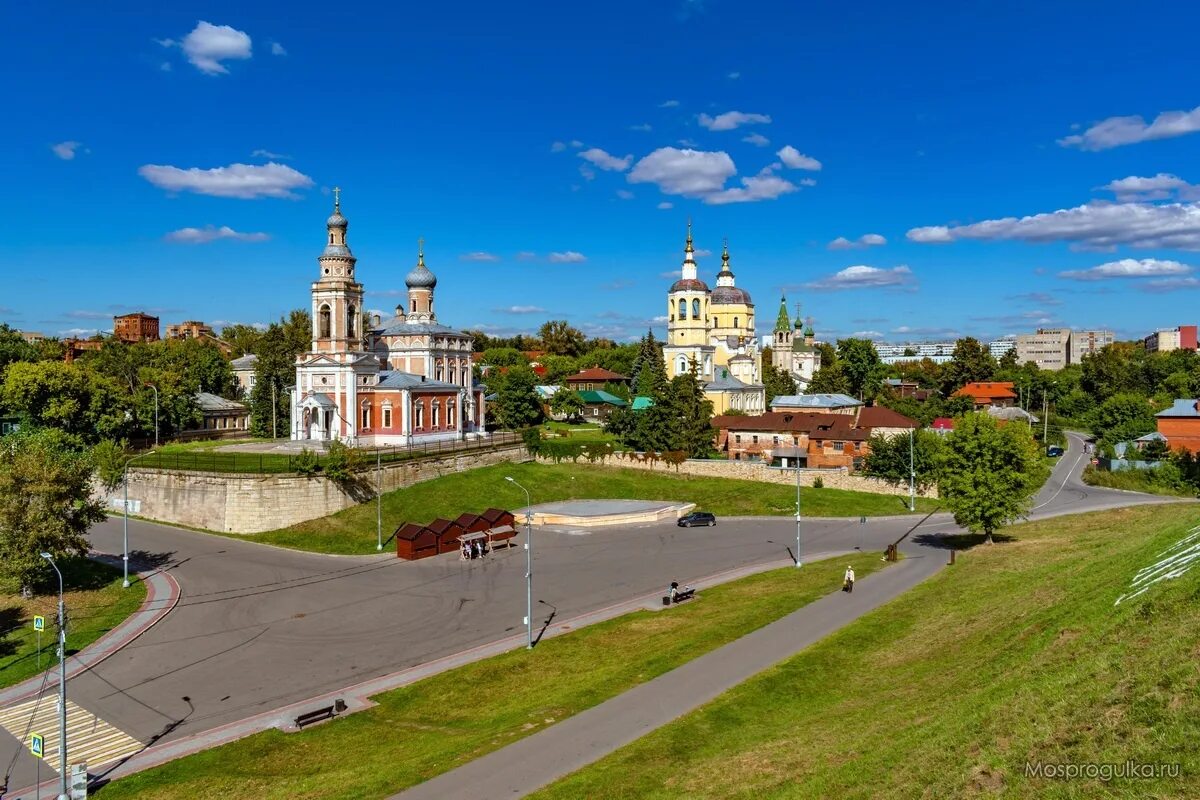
(101, 780)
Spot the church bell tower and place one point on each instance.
(336, 296)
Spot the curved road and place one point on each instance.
(258, 628)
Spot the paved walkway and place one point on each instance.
(577, 741)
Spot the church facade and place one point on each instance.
(714, 330)
(794, 348)
(396, 382)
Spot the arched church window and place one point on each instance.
(323, 323)
(453, 374)
(366, 416)
(438, 375)
(681, 366)
(451, 420)
(331, 238)
(436, 408)
(414, 306)
(419, 414)
(683, 309)
(735, 321)
(351, 321)
(696, 309)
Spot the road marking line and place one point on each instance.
(90, 738)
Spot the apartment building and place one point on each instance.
(1085, 343)
(1048, 348)
(1165, 340)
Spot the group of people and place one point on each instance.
(476, 548)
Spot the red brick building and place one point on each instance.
(817, 440)
(136, 327)
(989, 393)
(1180, 424)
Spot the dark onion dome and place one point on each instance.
(689, 285)
(730, 295)
(420, 278)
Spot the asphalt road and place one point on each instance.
(258, 628)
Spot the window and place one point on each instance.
(387, 416)
(366, 417)
(331, 238)
(414, 306)
(680, 364)
(451, 419)
(323, 322)
(351, 321)
(735, 321)
(754, 439)
(683, 309)
(436, 408)
(775, 440)
(438, 374)
(419, 414)
(453, 374)
(839, 445)
(696, 309)
(737, 438)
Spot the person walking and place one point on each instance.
(848, 585)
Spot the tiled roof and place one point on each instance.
(212, 403)
(596, 398)
(816, 425)
(395, 379)
(689, 284)
(884, 417)
(245, 362)
(943, 424)
(815, 401)
(988, 390)
(1180, 408)
(596, 374)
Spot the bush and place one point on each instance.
(818, 483)
(306, 462)
(532, 438)
(341, 462)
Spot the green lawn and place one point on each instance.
(1015, 655)
(442, 722)
(95, 604)
(1138, 480)
(353, 530)
(202, 444)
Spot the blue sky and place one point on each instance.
(896, 170)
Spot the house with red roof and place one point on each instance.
(814, 439)
(594, 379)
(989, 393)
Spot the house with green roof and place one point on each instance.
(598, 404)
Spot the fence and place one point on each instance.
(239, 462)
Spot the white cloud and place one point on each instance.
(624, 194)
(644, 127)
(211, 233)
(479, 255)
(702, 252)
(807, 182)
(671, 274)
(567, 257)
(866, 335)
(558, 147)
(1117, 131)
(167, 42)
(1160, 187)
(268, 155)
(730, 120)
(522, 310)
(797, 160)
(65, 150)
(669, 104)
(756, 139)
(664, 205)
(733, 76)
(587, 172)
(245, 181)
(763, 186)
(1163, 285)
(866, 240)
(208, 45)
(691, 173)
(864, 277)
(277, 49)
(689, 143)
(526, 255)
(77, 333)
(1040, 298)
(606, 161)
(1092, 226)
(1128, 268)
(576, 144)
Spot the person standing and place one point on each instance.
(849, 579)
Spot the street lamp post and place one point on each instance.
(62, 682)
(155, 388)
(378, 499)
(125, 508)
(912, 475)
(799, 563)
(528, 563)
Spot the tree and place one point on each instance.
(860, 364)
(109, 458)
(777, 382)
(341, 461)
(1122, 417)
(829, 379)
(558, 368)
(45, 503)
(649, 371)
(274, 371)
(13, 348)
(242, 338)
(517, 404)
(560, 338)
(889, 457)
(1008, 360)
(68, 397)
(1115, 369)
(989, 473)
(566, 402)
(504, 357)
(970, 362)
(694, 411)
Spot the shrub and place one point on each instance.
(341, 462)
(306, 463)
(818, 483)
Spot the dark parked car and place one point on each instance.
(1054, 452)
(697, 518)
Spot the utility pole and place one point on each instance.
(1045, 421)
(528, 563)
(125, 536)
(62, 683)
(274, 406)
(378, 499)
(799, 563)
(912, 475)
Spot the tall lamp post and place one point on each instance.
(379, 499)
(155, 388)
(125, 507)
(528, 563)
(799, 563)
(62, 682)
(912, 475)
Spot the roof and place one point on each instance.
(546, 392)
(596, 374)
(1180, 408)
(493, 515)
(884, 417)
(1011, 413)
(398, 326)
(409, 531)
(394, 379)
(689, 284)
(987, 390)
(597, 397)
(466, 519)
(730, 295)
(942, 424)
(440, 525)
(726, 382)
(816, 425)
(641, 403)
(211, 402)
(1153, 436)
(245, 362)
(320, 399)
(814, 401)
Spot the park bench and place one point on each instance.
(320, 714)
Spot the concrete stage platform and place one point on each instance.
(595, 513)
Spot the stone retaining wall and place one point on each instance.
(236, 503)
(757, 471)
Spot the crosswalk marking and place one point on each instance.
(90, 739)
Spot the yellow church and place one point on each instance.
(714, 328)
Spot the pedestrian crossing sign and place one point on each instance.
(39, 623)
(37, 745)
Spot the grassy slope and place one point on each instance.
(1015, 654)
(95, 604)
(1133, 480)
(444, 721)
(353, 530)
